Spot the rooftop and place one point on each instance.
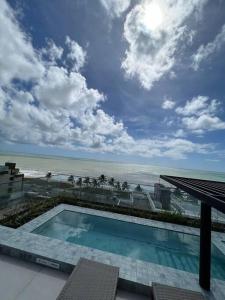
(21, 280)
(40, 251)
(64, 255)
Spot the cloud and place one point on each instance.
(168, 104)
(101, 123)
(2, 104)
(204, 51)
(115, 8)
(18, 59)
(213, 160)
(199, 115)
(61, 89)
(203, 123)
(175, 148)
(180, 133)
(153, 31)
(76, 54)
(198, 106)
(57, 108)
(172, 75)
(51, 52)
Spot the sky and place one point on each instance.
(128, 80)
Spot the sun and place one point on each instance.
(152, 16)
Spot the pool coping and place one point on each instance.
(64, 255)
(218, 238)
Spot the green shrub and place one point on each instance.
(34, 210)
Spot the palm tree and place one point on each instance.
(138, 188)
(118, 185)
(87, 180)
(48, 175)
(125, 186)
(95, 183)
(102, 179)
(71, 179)
(79, 182)
(111, 181)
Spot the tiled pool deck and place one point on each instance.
(64, 255)
(21, 280)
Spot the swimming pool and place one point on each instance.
(160, 246)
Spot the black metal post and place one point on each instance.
(205, 246)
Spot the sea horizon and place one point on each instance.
(37, 165)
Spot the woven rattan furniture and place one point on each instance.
(165, 292)
(91, 280)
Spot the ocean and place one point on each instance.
(39, 165)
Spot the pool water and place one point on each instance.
(160, 246)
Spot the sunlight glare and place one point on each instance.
(153, 16)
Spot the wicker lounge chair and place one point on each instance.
(165, 292)
(91, 280)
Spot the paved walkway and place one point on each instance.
(21, 280)
(24, 281)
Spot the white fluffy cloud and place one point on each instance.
(203, 123)
(115, 8)
(76, 54)
(51, 52)
(198, 106)
(180, 133)
(59, 109)
(175, 148)
(61, 89)
(153, 30)
(18, 59)
(199, 115)
(204, 51)
(168, 104)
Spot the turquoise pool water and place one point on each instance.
(160, 246)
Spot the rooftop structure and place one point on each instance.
(162, 195)
(211, 194)
(11, 183)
